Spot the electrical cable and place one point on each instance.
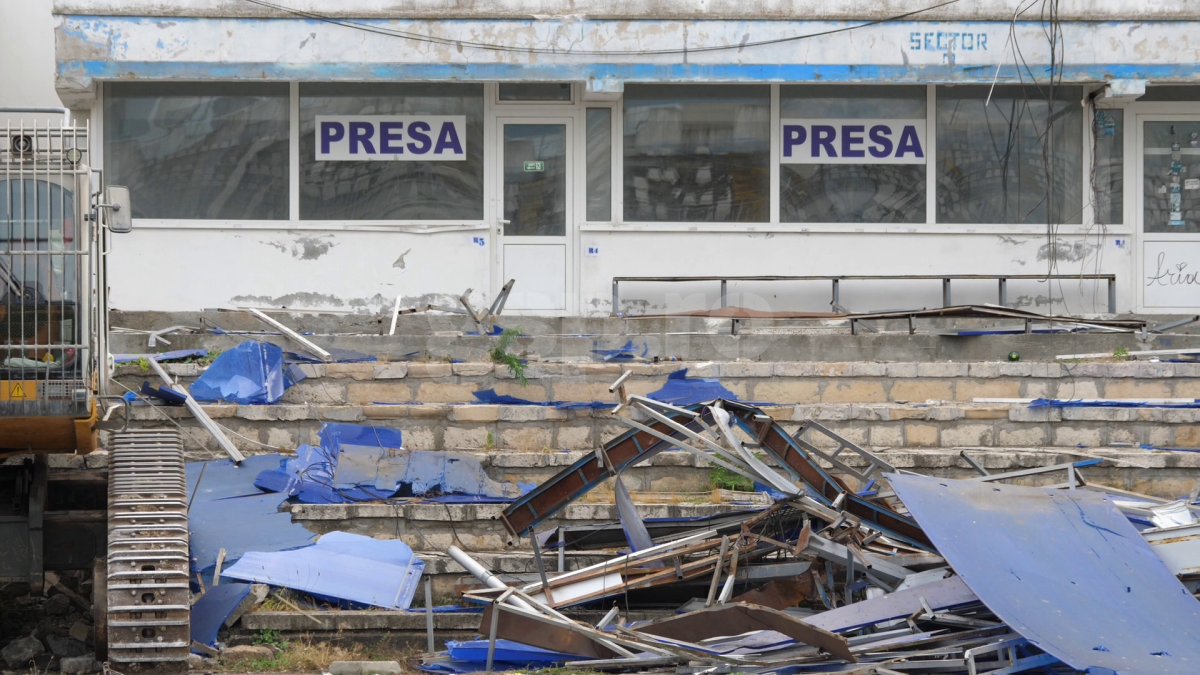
(419, 37)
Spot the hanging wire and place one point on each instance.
(422, 37)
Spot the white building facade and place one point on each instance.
(320, 155)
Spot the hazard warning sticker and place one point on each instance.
(17, 390)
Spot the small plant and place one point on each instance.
(724, 479)
(270, 637)
(489, 443)
(499, 354)
(1121, 354)
(143, 363)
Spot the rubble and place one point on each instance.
(365, 668)
(19, 653)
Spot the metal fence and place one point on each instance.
(835, 300)
(47, 311)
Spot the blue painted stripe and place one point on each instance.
(678, 72)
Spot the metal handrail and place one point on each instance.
(1002, 280)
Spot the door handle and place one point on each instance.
(504, 222)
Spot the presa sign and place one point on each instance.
(852, 141)
(391, 138)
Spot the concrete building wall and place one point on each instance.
(602, 46)
(27, 54)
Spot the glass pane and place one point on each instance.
(1171, 175)
(1159, 92)
(697, 153)
(435, 190)
(599, 164)
(535, 180)
(1017, 160)
(535, 91)
(199, 151)
(846, 193)
(852, 102)
(1108, 183)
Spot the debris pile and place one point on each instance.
(897, 573)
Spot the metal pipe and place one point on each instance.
(716, 578)
(430, 644)
(481, 573)
(39, 111)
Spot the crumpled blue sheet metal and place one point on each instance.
(1064, 569)
(340, 567)
(361, 463)
(222, 495)
(681, 390)
(336, 354)
(163, 356)
(626, 353)
(1088, 403)
(506, 651)
(250, 373)
(211, 610)
(490, 397)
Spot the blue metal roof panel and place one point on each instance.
(1064, 569)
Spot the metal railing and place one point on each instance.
(1001, 279)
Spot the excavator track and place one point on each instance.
(148, 600)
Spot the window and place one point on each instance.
(599, 164)
(1016, 160)
(697, 153)
(199, 150)
(536, 91)
(391, 190)
(1108, 172)
(1170, 151)
(882, 181)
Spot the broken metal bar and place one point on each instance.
(716, 578)
(429, 642)
(727, 591)
(1036, 471)
(537, 558)
(974, 465)
(491, 653)
(608, 617)
(198, 412)
(290, 334)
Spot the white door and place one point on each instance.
(537, 209)
(1168, 212)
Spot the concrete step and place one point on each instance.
(774, 382)
(686, 338)
(448, 426)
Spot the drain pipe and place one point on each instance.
(483, 575)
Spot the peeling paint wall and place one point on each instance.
(832, 10)
(191, 269)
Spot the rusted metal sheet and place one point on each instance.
(738, 618)
(519, 628)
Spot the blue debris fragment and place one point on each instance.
(471, 657)
(177, 355)
(347, 569)
(628, 352)
(338, 356)
(1086, 403)
(211, 610)
(490, 397)
(222, 493)
(681, 390)
(357, 463)
(250, 373)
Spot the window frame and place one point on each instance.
(580, 102)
